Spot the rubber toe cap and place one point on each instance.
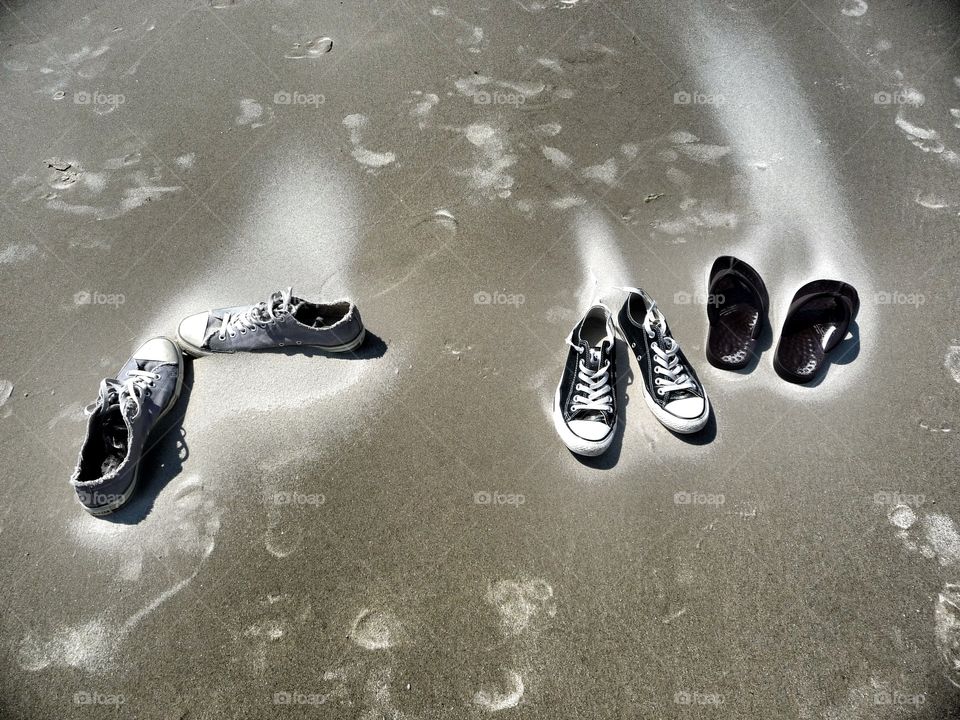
(159, 349)
(592, 430)
(687, 408)
(193, 329)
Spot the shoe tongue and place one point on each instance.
(592, 358)
(261, 311)
(663, 341)
(148, 365)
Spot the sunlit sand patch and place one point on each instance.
(603, 268)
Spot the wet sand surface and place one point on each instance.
(401, 534)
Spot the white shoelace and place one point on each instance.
(257, 316)
(593, 390)
(666, 360)
(127, 395)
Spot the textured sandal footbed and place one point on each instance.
(735, 323)
(816, 323)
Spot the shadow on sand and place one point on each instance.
(165, 455)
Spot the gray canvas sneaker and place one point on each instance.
(282, 321)
(126, 411)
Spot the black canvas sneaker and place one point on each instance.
(670, 386)
(585, 406)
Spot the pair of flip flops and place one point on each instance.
(817, 320)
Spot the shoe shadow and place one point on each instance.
(372, 347)
(764, 343)
(843, 354)
(611, 457)
(163, 459)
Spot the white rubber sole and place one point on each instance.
(194, 351)
(122, 500)
(684, 426)
(575, 443)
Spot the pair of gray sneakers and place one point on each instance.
(148, 385)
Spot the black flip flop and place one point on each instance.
(817, 321)
(736, 307)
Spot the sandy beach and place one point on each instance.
(399, 532)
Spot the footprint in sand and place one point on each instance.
(117, 186)
(277, 617)
(174, 540)
(370, 677)
(357, 123)
(935, 536)
(522, 606)
(288, 510)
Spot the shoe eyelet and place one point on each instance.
(282, 344)
(299, 343)
(660, 392)
(233, 334)
(243, 332)
(222, 337)
(156, 376)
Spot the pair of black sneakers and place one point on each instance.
(817, 320)
(585, 404)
